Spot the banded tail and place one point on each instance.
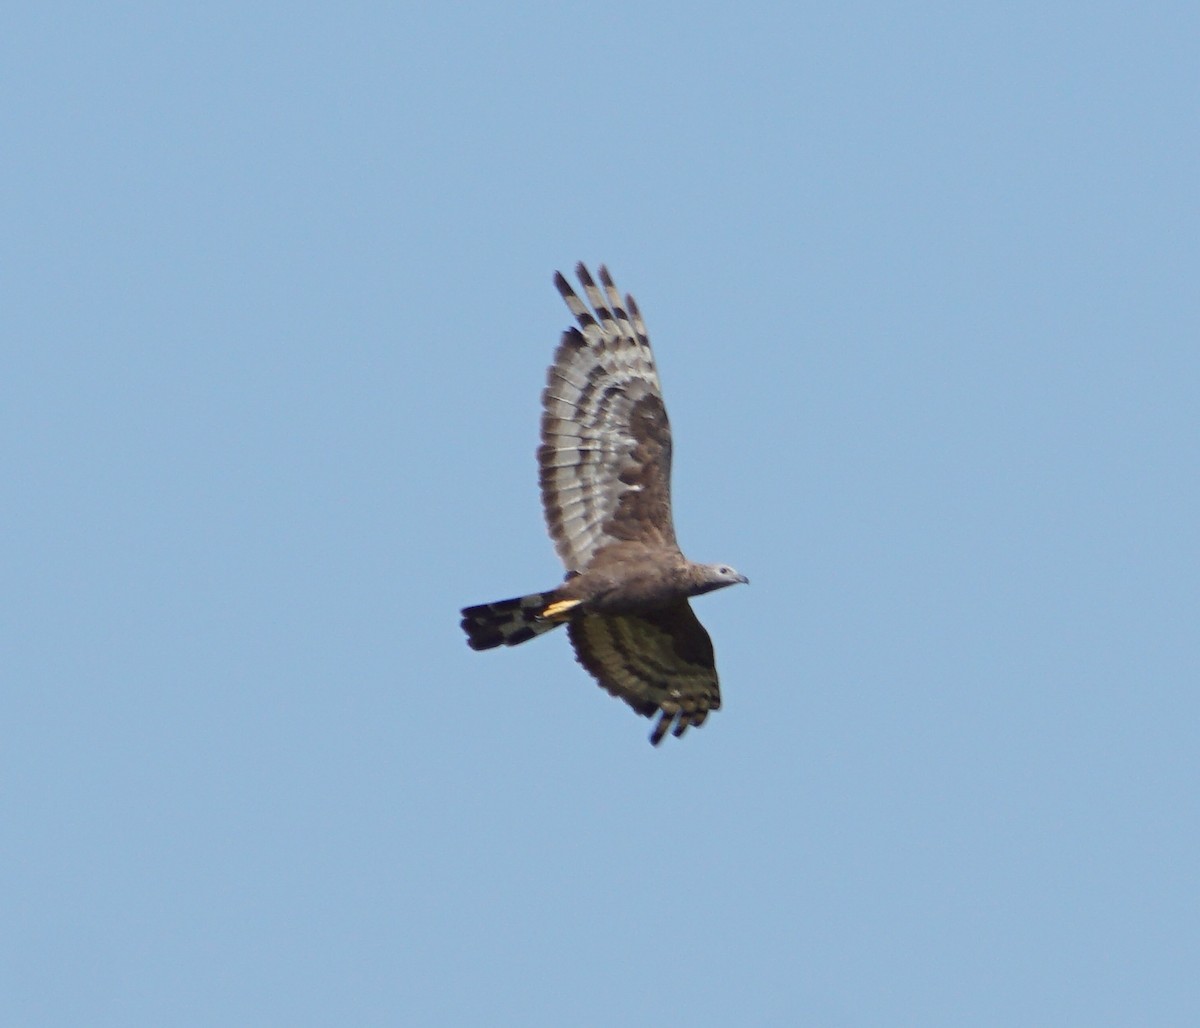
(508, 622)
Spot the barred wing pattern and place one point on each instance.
(659, 662)
(605, 458)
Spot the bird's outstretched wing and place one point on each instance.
(660, 663)
(605, 458)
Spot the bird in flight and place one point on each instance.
(605, 473)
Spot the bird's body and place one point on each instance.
(605, 468)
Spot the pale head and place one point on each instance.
(715, 576)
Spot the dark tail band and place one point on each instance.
(507, 622)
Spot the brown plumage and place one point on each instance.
(605, 472)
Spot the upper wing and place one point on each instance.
(605, 458)
(659, 662)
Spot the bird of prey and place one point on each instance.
(605, 472)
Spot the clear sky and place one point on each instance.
(277, 306)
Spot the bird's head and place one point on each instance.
(717, 576)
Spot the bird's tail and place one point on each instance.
(509, 622)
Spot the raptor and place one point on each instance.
(605, 473)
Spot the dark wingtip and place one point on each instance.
(585, 276)
(660, 729)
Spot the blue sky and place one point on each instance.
(277, 306)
